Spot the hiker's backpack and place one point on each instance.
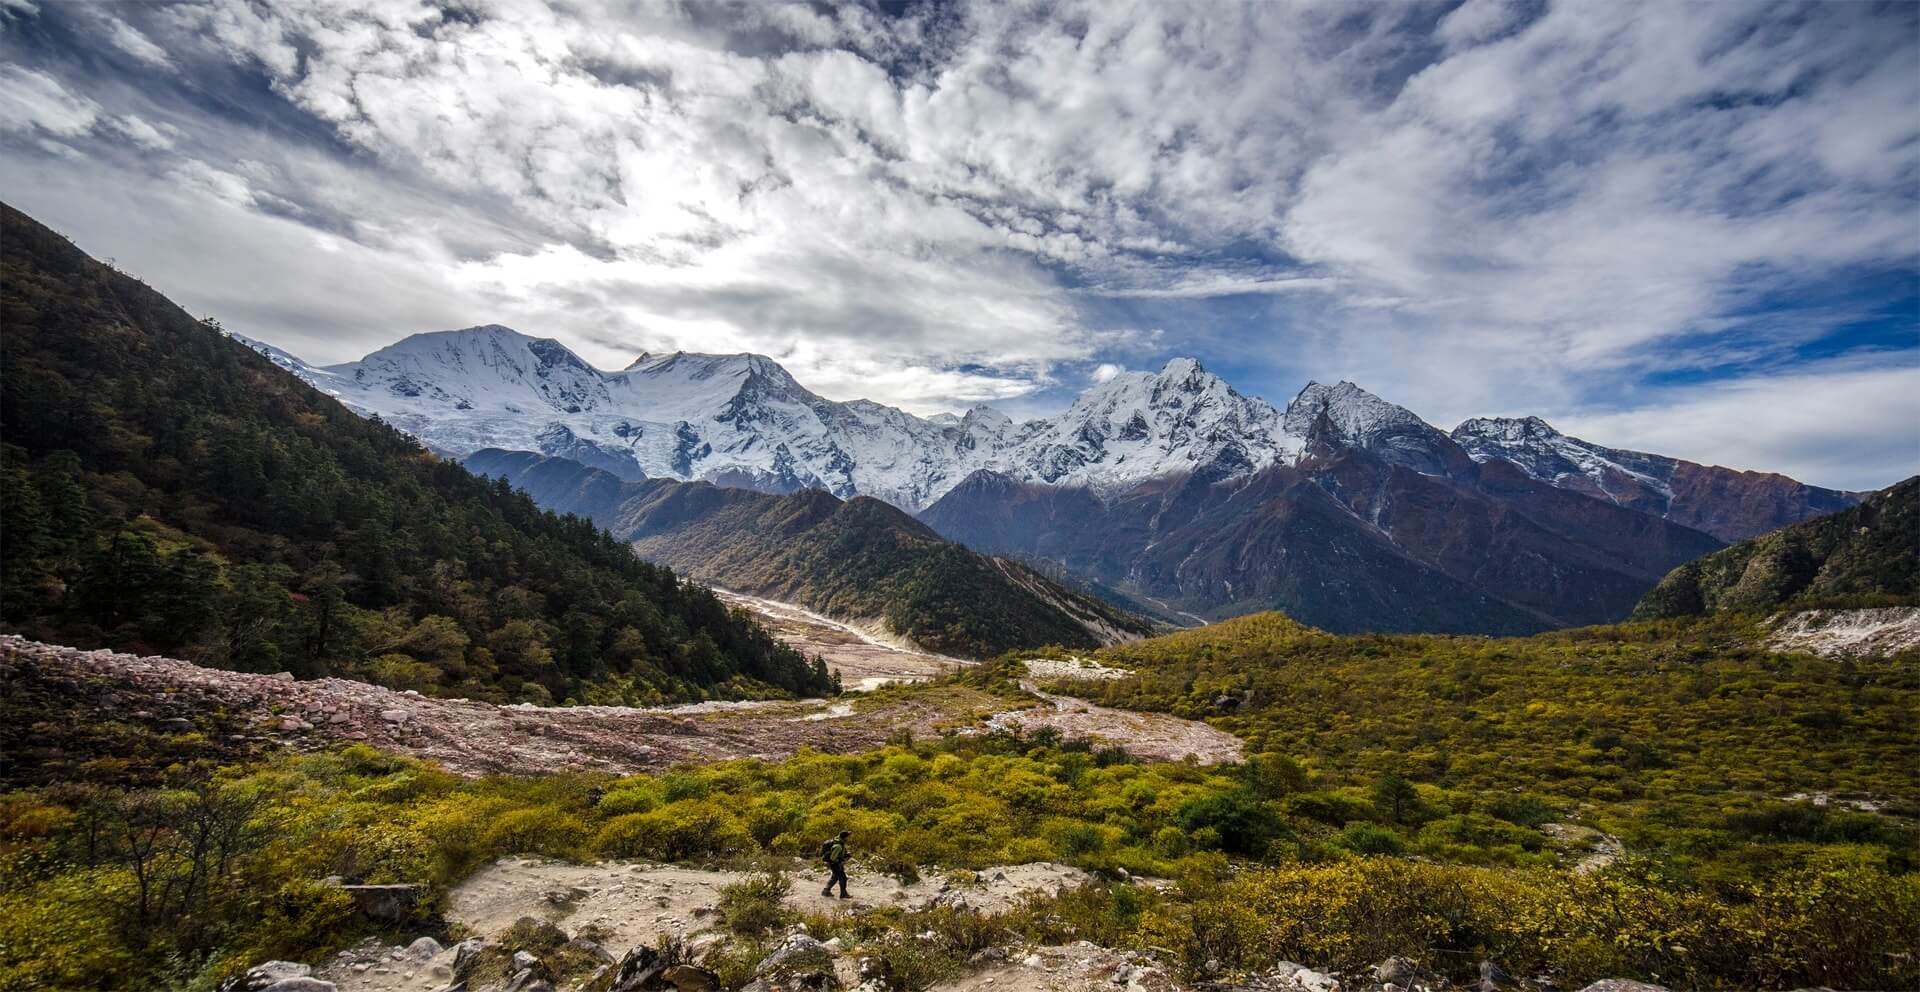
(826, 851)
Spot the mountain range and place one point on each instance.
(860, 560)
(1346, 510)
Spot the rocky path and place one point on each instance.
(1156, 736)
(637, 903)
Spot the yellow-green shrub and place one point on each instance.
(685, 829)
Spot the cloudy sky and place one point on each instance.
(1693, 229)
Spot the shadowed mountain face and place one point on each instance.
(859, 560)
(1866, 555)
(1351, 538)
(1729, 504)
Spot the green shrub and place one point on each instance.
(756, 904)
(1371, 838)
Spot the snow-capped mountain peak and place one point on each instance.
(1139, 425)
(1355, 415)
(1550, 456)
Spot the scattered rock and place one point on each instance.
(1493, 977)
(987, 956)
(1623, 985)
(424, 948)
(394, 716)
(1303, 977)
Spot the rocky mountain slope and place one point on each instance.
(858, 560)
(1867, 555)
(1729, 504)
(1356, 513)
(1356, 536)
(164, 488)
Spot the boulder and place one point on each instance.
(798, 950)
(587, 948)
(424, 948)
(529, 980)
(639, 971)
(689, 978)
(1305, 978)
(300, 985)
(702, 947)
(1623, 985)
(390, 903)
(1493, 978)
(1399, 971)
(465, 955)
(262, 975)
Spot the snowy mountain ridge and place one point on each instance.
(744, 421)
(1550, 456)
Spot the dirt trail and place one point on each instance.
(639, 903)
(863, 659)
(1156, 736)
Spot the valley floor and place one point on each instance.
(863, 659)
(270, 712)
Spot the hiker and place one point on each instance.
(835, 853)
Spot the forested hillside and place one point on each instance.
(859, 560)
(167, 489)
(1865, 555)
